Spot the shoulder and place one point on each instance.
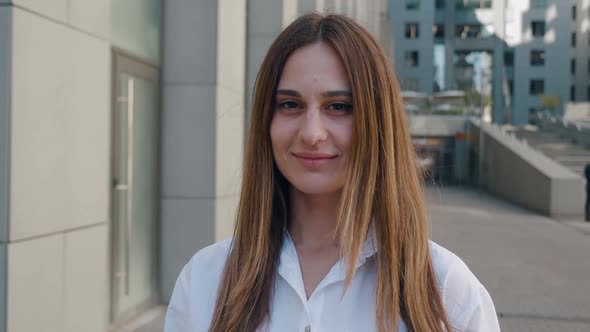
(202, 273)
(467, 303)
(195, 293)
(210, 259)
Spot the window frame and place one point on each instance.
(412, 4)
(532, 85)
(408, 30)
(408, 55)
(437, 30)
(537, 62)
(540, 24)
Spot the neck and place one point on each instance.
(313, 219)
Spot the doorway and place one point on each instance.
(135, 187)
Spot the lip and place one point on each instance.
(314, 159)
(314, 155)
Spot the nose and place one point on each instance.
(313, 130)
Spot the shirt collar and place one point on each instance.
(289, 268)
(290, 261)
(370, 246)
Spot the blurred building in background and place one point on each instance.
(122, 126)
(580, 90)
(516, 57)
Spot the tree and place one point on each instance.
(550, 103)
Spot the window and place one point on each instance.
(532, 114)
(477, 31)
(588, 93)
(573, 39)
(574, 12)
(536, 87)
(573, 66)
(572, 93)
(439, 4)
(537, 58)
(412, 30)
(438, 30)
(509, 58)
(538, 3)
(511, 88)
(538, 28)
(473, 4)
(412, 4)
(412, 58)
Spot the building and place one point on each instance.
(510, 51)
(122, 126)
(580, 66)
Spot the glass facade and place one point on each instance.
(473, 4)
(412, 4)
(439, 67)
(136, 26)
(473, 31)
(473, 74)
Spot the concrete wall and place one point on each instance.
(54, 157)
(436, 125)
(266, 19)
(5, 96)
(575, 133)
(520, 174)
(203, 101)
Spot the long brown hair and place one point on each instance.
(383, 186)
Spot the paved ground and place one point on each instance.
(536, 269)
(573, 156)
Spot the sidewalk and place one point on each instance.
(150, 321)
(536, 269)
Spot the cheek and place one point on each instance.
(279, 135)
(342, 134)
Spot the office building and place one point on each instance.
(510, 51)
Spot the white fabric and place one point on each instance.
(467, 303)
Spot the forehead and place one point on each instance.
(316, 63)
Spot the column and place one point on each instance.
(203, 127)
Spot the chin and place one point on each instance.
(311, 187)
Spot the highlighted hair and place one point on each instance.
(383, 186)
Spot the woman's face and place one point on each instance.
(311, 128)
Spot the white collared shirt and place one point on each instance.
(468, 305)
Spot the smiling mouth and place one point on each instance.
(314, 160)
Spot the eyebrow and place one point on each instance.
(333, 93)
(286, 92)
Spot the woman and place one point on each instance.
(331, 231)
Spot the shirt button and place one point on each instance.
(308, 328)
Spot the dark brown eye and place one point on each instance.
(288, 105)
(341, 107)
